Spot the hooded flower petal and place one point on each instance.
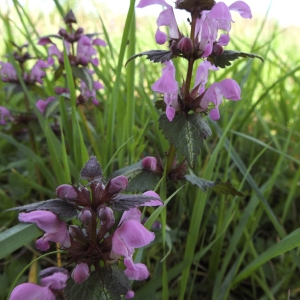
(130, 234)
(226, 88)
(5, 115)
(56, 281)
(135, 271)
(37, 72)
(167, 18)
(29, 291)
(242, 8)
(42, 104)
(55, 229)
(144, 3)
(156, 201)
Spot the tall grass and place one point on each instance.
(216, 247)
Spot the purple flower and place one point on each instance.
(37, 72)
(106, 215)
(165, 18)
(55, 229)
(155, 201)
(130, 234)
(227, 88)
(29, 291)
(80, 273)
(136, 271)
(8, 73)
(168, 85)
(42, 104)
(5, 115)
(86, 93)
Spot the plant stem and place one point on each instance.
(171, 156)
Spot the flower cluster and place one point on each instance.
(97, 242)
(84, 55)
(205, 42)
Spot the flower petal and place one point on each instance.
(29, 291)
(135, 271)
(242, 8)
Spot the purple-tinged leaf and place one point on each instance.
(224, 59)
(91, 170)
(62, 208)
(124, 202)
(154, 55)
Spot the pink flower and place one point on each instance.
(130, 234)
(8, 72)
(5, 115)
(168, 85)
(117, 185)
(37, 72)
(55, 229)
(85, 92)
(42, 104)
(136, 271)
(227, 88)
(149, 163)
(30, 291)
(155, 201)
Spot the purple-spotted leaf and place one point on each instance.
(219, 187)
(154, 55)
(91, 170)
(186, 133)
(124, 202)
(224, 59)
(61, 208)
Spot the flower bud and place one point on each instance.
(66, 192)
(85, 216)
(217, 49)
(80, 273)
(117, 185)
(129, 295)
(63, 32)
(149, 163)
(185, 45)
(106, 216)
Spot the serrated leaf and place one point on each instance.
(224, 59)
(154, 55)
(186, 133)
(91, 289)
(84, 75)
(91, 170)
(115, 281)
(219, 187)
(129, 171)
(142, 181)
(199, 182)
(61, 208)
(127, 201)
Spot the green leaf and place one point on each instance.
(129, 172)
(84, 75)
(16, 237)
(142, 181)
(288, 243)
(58, 72)
(186, 133)
(224, 59)
(219, 187)
(154, 55)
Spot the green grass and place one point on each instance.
(219, 247)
